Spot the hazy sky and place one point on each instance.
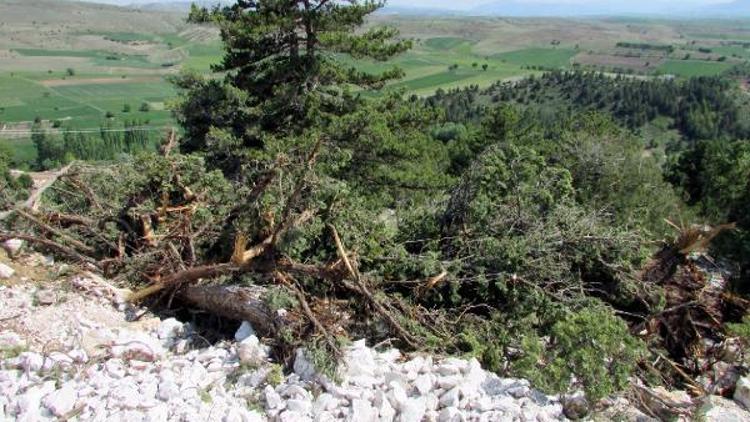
(469, 4)
(636, 6)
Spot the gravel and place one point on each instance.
(92, 364)
(78, 356)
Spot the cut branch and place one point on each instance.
(360, 288)
(237, 303)
(50, 244)
(46, 227)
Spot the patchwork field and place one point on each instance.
(84, 64)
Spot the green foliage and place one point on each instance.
(278, 298)
(49, 150)
(591, 346)
(275, 376)
(279, 81)
(198, 14)
(741, 329)
(324, 362)
(536, 211)
(715, 177)
(12, 189)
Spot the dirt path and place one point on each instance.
(42, 182)
(52, 83)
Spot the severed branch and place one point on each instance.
(170, 144)
(186, 276)
(50, 244)
(237, 303)
(46, 227)
(360, 288)
(299, 293)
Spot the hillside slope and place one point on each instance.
(36, 23)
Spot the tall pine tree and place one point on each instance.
(286, 70)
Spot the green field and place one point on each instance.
(126, 58)
(690, 68)
(82, 105)
(544, 57)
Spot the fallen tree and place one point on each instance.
(507, 269)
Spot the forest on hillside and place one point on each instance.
(561, 228)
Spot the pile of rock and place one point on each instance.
(67, 351)
(144, 376)
(385, 386)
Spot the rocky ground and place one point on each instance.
(72, 349)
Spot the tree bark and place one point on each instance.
(237, 303)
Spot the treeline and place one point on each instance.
(708, 165)
(702, 108)
(646, 46)
(54, 150)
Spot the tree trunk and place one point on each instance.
(237, 303)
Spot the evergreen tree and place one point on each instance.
(284, 73)
(50, 152)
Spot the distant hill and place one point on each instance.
(542, 8)
(175, 6)
(546, 8)
(56, 24)
(735, 8)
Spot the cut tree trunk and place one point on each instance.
(237, 303)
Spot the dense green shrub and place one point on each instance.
(12, 189)
(590, 349)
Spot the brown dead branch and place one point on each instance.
(50, 244)
(170, 143)
(68, 219)
(46, 227)
(86, 190)
(431, 283)
(148, 232)
(359, 287)
(299, 293)
(32, 202)
(187, 276)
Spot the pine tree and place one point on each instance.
(286, 71)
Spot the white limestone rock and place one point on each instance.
(719, 409)
(137, 346)
(61, 402)
(323, 403)
(246, 330)
(450, 414)
(300, 406)
(10, 340)
(170, 329)
(303, 367)
(742, 392)
(423, 384)
(358, 360)
(13, 246)
(413, 409)
(273, 399)
(450, 398)
(6, 272)
(362, 410)
(397, 395)
(252, 352)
